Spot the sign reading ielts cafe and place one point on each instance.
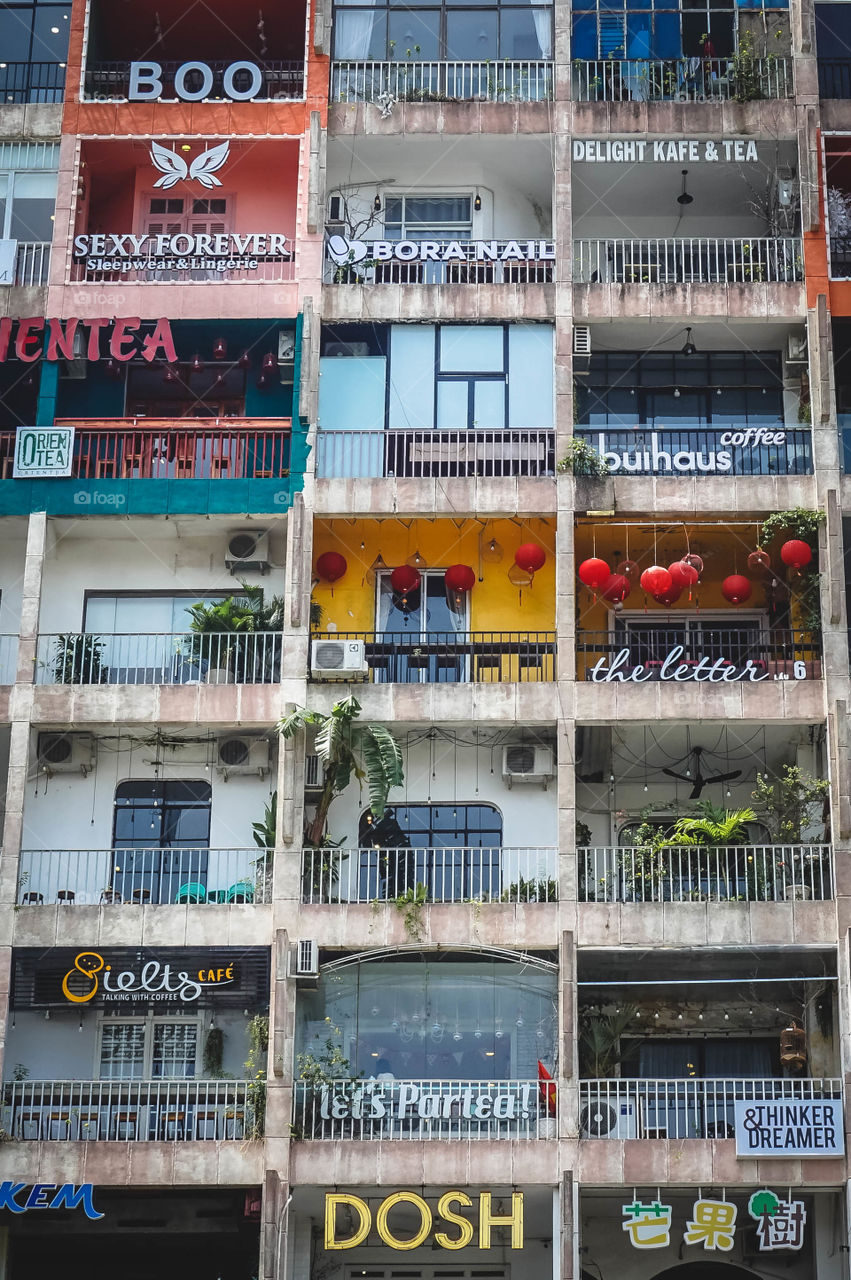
(179, 978)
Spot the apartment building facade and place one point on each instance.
(480, 363)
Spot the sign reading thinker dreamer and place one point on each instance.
(787, 1127)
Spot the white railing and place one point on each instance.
(32, 265)
(144, 877)
(425, 1109)
(502, 873)
(474, 452)
(127, 1110)
(475, 268)
(694, 260)
(731, 873)
(680, 79)
(688, 1108)
(8, 659)
(252, 657)
(387, 83)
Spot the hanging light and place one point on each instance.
(263, 381)
(684, 197)
(376, 204)
(477, 203)
(220, 349)
(171, 373)
(689, 349)
(197, 365)
(270, 362)
(492, 551)
(377, 566)
(244, 361)
(416, 561)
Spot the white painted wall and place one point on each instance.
(13, 538)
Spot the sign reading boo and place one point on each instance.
(785, 1128)
(146, 81)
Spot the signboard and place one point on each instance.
(36, 338)
(348, 253)
(180, 252)
(359, 1219)
(48, 1195)
(410, 1100)
(8, 259)
(146, 81)
(92, 977)
(787, 1128)
(780, 1223)
(43, 451)
(655, 453)
(623, 668)
(664, 150)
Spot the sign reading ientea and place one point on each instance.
(43, 451)
(788, 1127)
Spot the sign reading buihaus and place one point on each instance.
(787, 1127)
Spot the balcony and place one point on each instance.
(501, 874)
(181, 658)
(32, 265)
(127, 1110)
(435, 454)
(682, 80)
(424, 262)
(386, 83)
(449, 657)
(23, 82)
(741, 873)
(143, 877)
(110, 81)
(711, 654)
(679, 449)
(417, 1110)
(690, 1108)
(696, 260)
(167, 449)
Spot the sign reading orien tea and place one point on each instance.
(43, 451)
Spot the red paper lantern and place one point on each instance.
(595, 573)
(759, 561)
(695, 562)
(531, 557)
(617, 588)
(683, 572)
(331, 565)
(628, 568)
(656, 580)
(405, 579)
(459, 577)
(668, 598)
(796, 553)
(737, 588)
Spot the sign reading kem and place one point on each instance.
(790, 1127)
(43, 451)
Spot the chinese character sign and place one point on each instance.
(649, 1225)
(713, 1225)
(780, 1223)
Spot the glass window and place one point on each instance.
(27, 203)
(472, 349)
(360, 35)
(175, 1049)
(471, 36)
(50, 33)
(414, 36)
(122, 1051)
(428, 217)
(525, 33)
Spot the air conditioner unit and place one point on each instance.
(609, 1119)
(354, 350)
(581, 340)
(248, 551)
(524, 762)
(66, 753)
(314, 773)
(306, 958)
(243, 756)
(341, 658)
(796, 348)
(286, 356)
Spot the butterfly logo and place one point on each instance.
(346, 252)
(175, 169)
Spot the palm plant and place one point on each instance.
(368, 752)
(713, 826)
(244, 614)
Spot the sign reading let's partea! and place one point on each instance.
(43, 451)
(664, 150)
(787, 1128)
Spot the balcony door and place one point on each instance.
(425, 628)
(161, 839)
(174, 215)
(145, 638)
(453, 848)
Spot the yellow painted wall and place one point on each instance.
(494, 601)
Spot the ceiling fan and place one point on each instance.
(696, 778)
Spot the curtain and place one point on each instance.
(354, 34)
(543, 20)
(744, 1058)
(665, 1060)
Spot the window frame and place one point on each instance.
(443, 8)
(11, 176)
(149, 1021)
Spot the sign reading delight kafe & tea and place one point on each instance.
(43, 451)
(664, 150)
(787, 1127)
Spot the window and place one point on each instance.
(27, 203)
(148, 1049)
(146, 638)
(626, 29)
(161, 838)
(428, 217)
(415, 836)
(34, 32)
(650, 642)
(445, 29)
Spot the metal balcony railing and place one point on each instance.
(32, 82)
(834, 77)
(681, 79)
(107, 81)
(432, 454)
(502, 873)
(145, 448)
(445, 657)
(677, 449)
(731, 873)
(32, 266)
(412, 1110)
(144, 877)
(387, 83)
(474, 270)
(127, 1110)
(178, 658)
(689, 260)
(705, 655)
(691, 1108)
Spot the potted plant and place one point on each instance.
(327, 1068)
(790, 804)
(264, 837)
(713, 830)
(226, 643)
(79, 659)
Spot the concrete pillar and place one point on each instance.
(567, 1244)
(31, 600)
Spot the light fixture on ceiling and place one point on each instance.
(376, 204)
(684, 197)
(689, 349)
(477, 203)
